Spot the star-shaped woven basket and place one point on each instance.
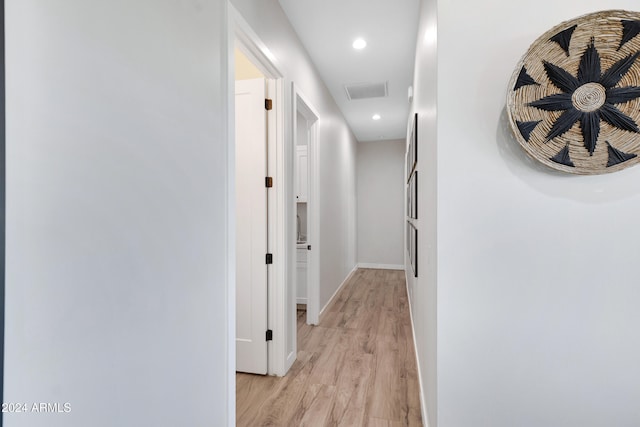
(574, 98)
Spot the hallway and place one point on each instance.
(356, 368)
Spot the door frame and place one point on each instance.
(2, 200)
(301, 104)
(280, 310)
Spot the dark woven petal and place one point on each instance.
(617, 118)
(620, 95)
(563, 38)
(630, 29)
(526, 128)
(524, 79)
(563, 157)
(589, 68)
(560, 78)
(613, 75)
(616, 156)
(590, 126)
(557, 102)
(564, 123)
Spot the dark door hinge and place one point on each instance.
(268, 182)
(308, 247)
(268, 104)
(269, 335)
(269, 259)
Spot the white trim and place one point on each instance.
(277, 287)
(251, 45)
(231, 223)
(381, 266)
(300, 103)
(301, 300)
(344, 282)
(241, 35)
(423, 405)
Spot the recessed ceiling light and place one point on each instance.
(376, 117)
(359, 44)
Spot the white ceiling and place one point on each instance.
(327, 28)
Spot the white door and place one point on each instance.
(251, 227)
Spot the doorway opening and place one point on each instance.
(280, 305)
(305, 125)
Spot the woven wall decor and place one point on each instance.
(574, 98)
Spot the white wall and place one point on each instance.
(116, 212)
(381, 186)
(423, 290)
(537, 288)
(337, 145)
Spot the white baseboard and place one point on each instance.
(344, 282)
(423, 403)
(381, 266)
(301, 300)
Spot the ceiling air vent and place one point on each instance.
(366, 90)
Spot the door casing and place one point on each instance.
(301, 104)
(281, 305)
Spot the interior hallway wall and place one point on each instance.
(116, 280)
(380, 203)
(422, 290)
(337, 145)
(537, 288)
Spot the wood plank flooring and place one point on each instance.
(357, 368)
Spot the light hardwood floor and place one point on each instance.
(357, 368)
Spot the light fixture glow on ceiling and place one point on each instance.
(359, 44)
(376, 117)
